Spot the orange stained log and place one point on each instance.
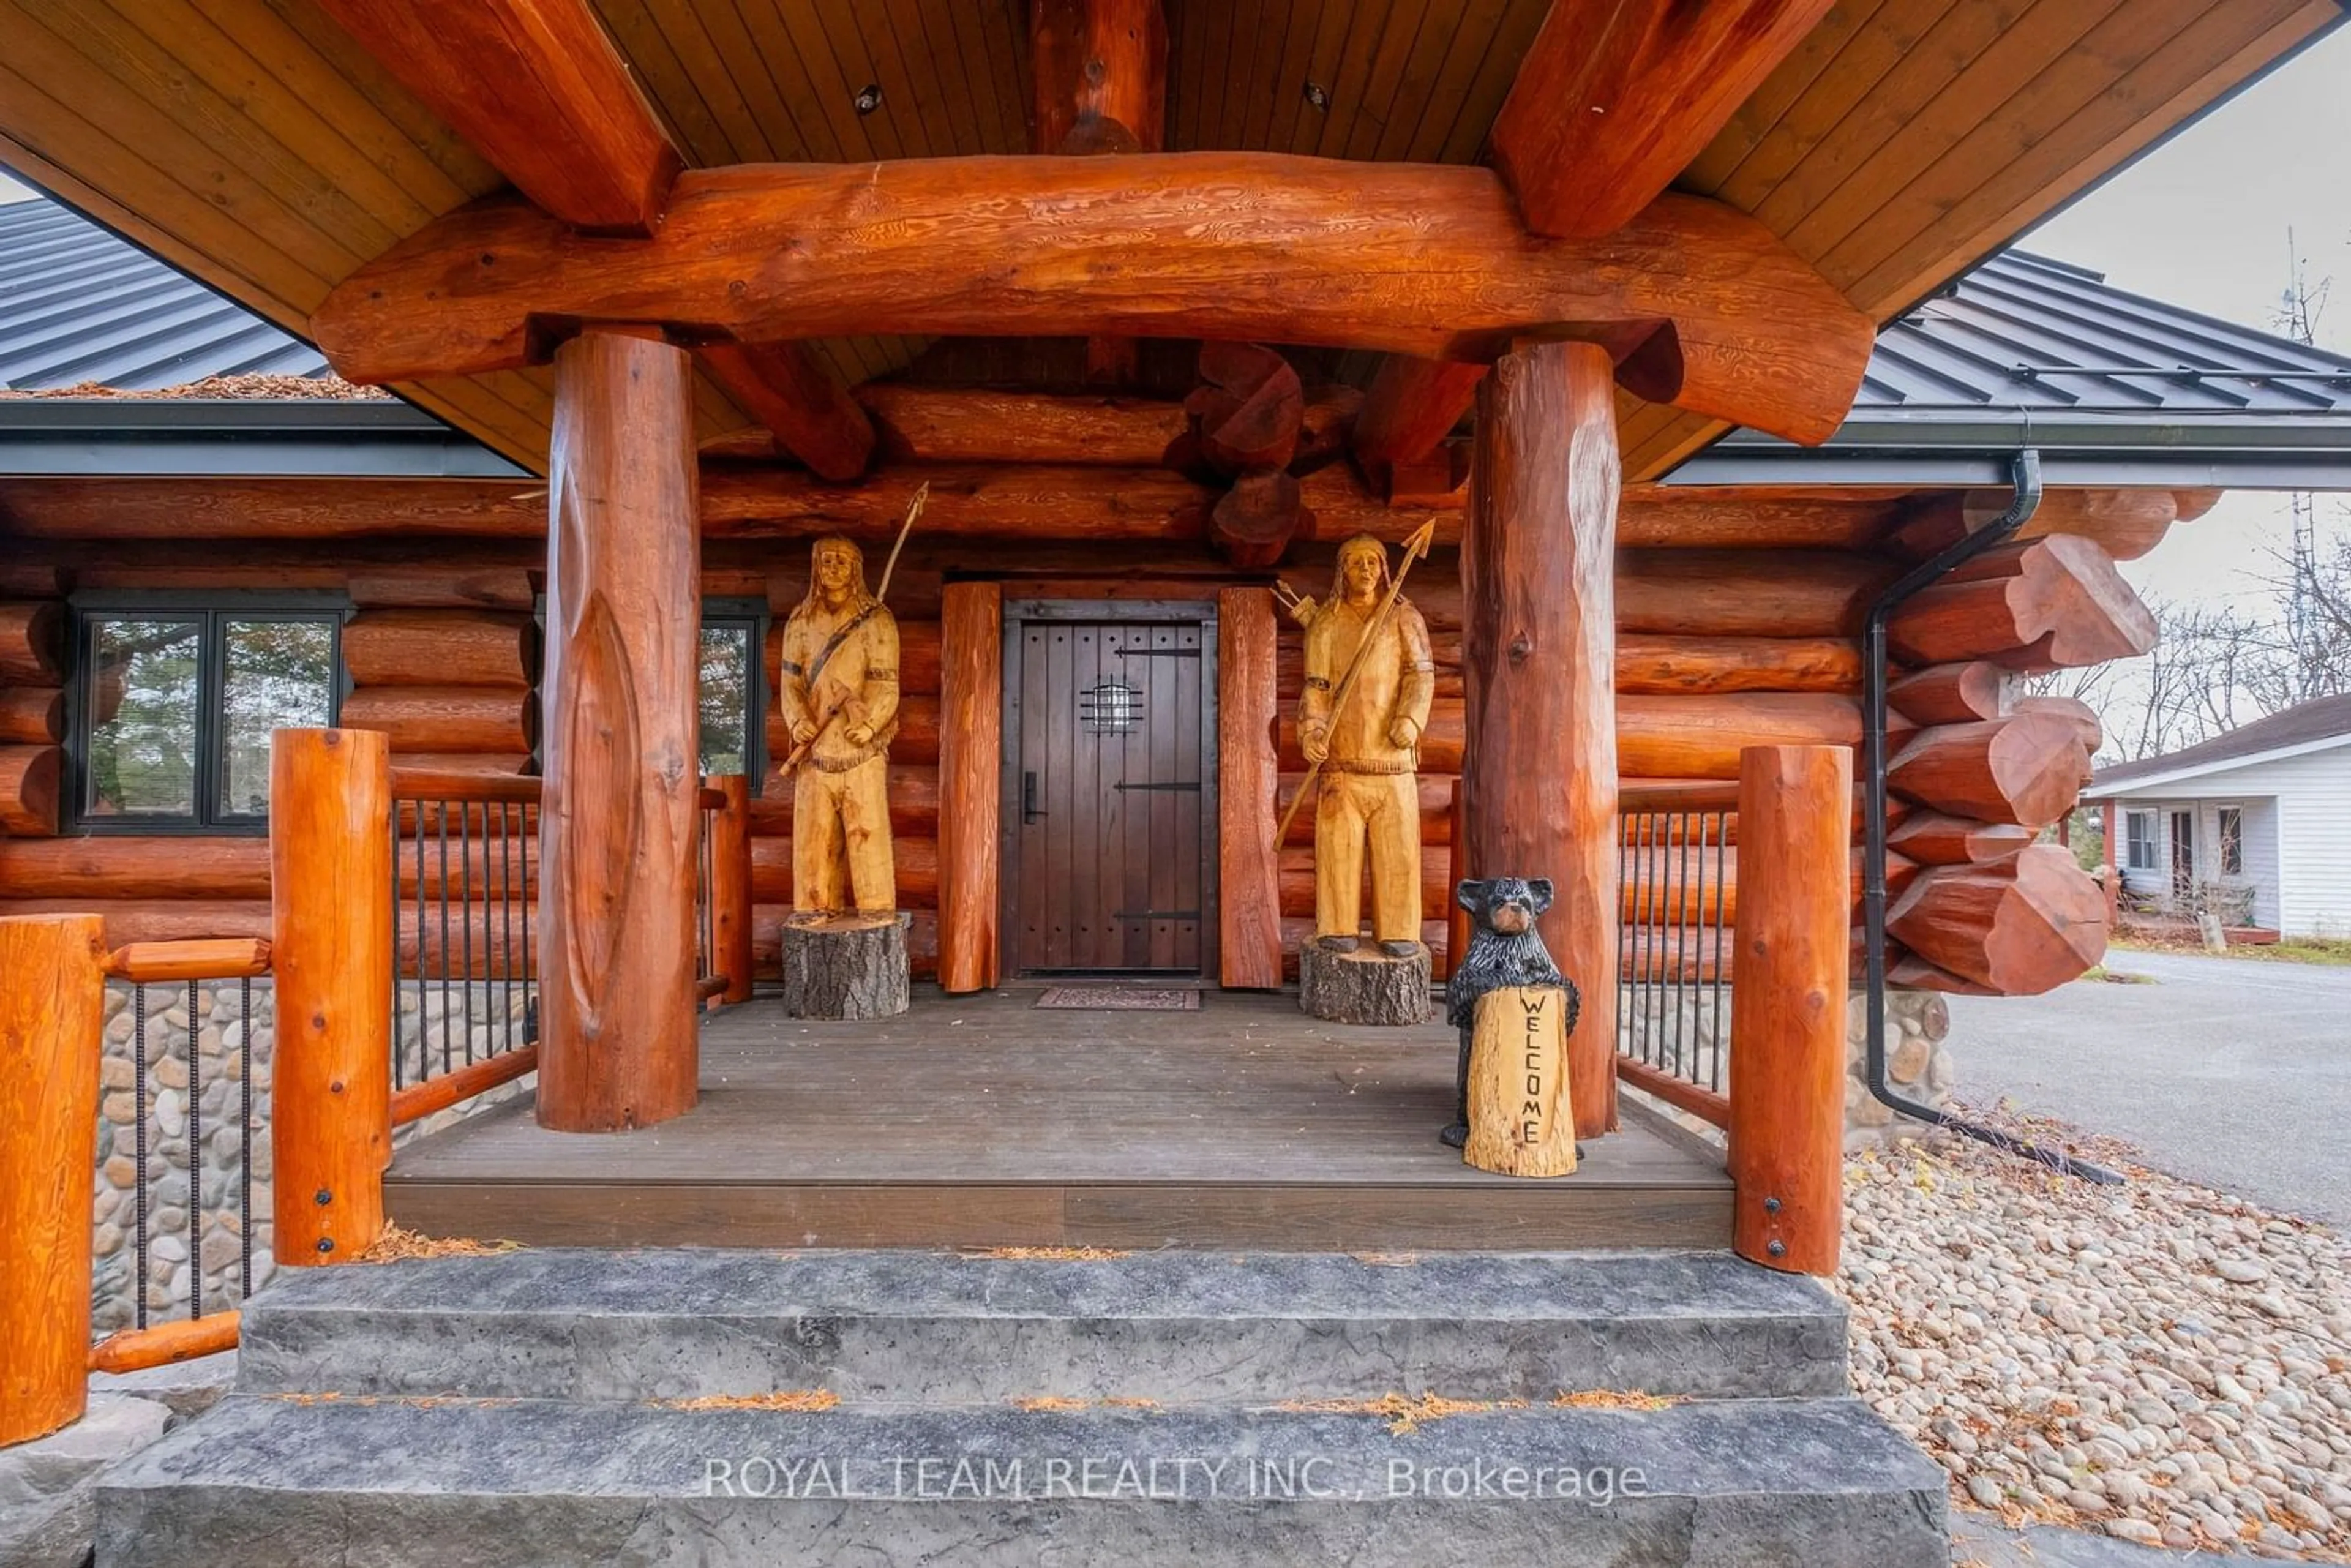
(1457, 872)
(1616, 97)
(1412, 406)
(1239, 247)
(730, 885)
(971, 751)
(1787, 1083)
(617, 1008)
(52, 997)
(1538, 587)
(782, 386)
(1248, 778)
(540, 91)
(330, 955)
(165, 1344)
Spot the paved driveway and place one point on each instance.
(2230, 1071)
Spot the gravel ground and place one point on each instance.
(2159, 1361)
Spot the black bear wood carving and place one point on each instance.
(1504, 950)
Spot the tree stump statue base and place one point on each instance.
(846, 965)
(1365, 986)
(1521, 1119)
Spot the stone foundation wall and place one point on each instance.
(1918, 1065)
(209, 1234)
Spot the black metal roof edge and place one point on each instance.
(1941, 447)
(231, 438)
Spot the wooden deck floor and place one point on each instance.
(984, 1122)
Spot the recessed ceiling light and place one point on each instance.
(1317, 95)
(869, 97)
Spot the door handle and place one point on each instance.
(1028, 813)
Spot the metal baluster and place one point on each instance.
(1681, 932)
(1628, 934)
(1721, 1018)
(398, 1073)
(506, 925)
(530, 965)
(424, 1028)
(245, 1138)
(139, 1148)
(441, 830)
(1643, 852)
(195, 1164)
(465, 914)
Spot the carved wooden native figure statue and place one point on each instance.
(839, 696)
(1369, 748)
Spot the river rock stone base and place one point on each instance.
(846, 965)
(1365, 986)
(553, 1406)
(1918, 1065)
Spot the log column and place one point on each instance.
(971, 758)
(52, 997)
(617, 1018)
(331, 943)
(1538, 580)
(1788, 1007)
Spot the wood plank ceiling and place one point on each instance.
(252, 144)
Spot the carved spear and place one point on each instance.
(1414, 549)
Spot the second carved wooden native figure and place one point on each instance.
(1366, 739)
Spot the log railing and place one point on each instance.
(1747, 1034)
(1673, 1014)
(388, 886)
(464, 981)
(53, 1079)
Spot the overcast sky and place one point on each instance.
(2202, 221)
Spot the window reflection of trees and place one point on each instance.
(725, 699)
(144, 698)
(151, 721)
(276, 674)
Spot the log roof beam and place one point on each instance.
(1699, 304)
(1616, 97)
(1099, 73)
(538, 88)
(1614, 100)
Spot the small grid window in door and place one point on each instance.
(1109, 707)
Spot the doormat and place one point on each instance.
(1120, 999)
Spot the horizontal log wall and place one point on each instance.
(1737, 619)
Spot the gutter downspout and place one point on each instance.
(2026, 500)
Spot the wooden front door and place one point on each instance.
(1110, 786)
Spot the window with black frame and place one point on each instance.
(731, 687)
(174, 709)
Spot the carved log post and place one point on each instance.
(730, 887)
(617, 1020)
(1249, 886)
(330, 889)
(52, 997)
(971, 745)
(1787, 1009)
(1538, 580)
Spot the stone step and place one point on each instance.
(930, 1328)
(1746, 1483)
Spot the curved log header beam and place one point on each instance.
(1699, 305)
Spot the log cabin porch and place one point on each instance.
(986, 1121)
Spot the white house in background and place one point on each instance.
(2262, 816)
